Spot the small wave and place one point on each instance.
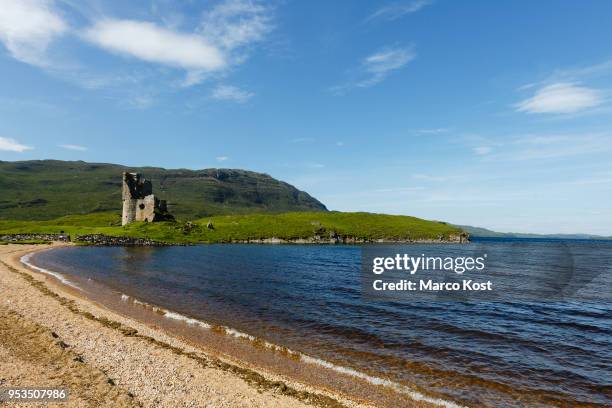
(145, 305)
(417, 396)
(188, 320)
(26, 261)
(241, 335)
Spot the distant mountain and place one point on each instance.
(483, 232)
(46, 189)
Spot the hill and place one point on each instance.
(487, 233)
(48, 189)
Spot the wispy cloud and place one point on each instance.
(380, 64)
(138, 101)
(231, 93)
(533, 147)
(27, 28)
(428, 177)
(561, 98)
(483, 150)
(221, 158)
(11, 145)
(236, 23)
(33, 105)
(398, 10)
(399, 190)
(303, 140)
(376, 67)
(73, 147)
(602, 69)
(233, 27)
(433, 131)
(544, 146)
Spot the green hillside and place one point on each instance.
(48, 189)
(228, 228)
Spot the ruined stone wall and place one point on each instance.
(136, 186)
(145, 208)
(129, 211)
(139, 203)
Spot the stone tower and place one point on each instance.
(139, 203)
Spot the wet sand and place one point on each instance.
(51, 336)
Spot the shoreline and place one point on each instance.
(268, 386)
(118, 240)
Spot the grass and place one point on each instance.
(228, 228)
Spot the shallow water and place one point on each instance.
(309, 299)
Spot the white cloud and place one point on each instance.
(380, 64)
(398, 10)
(433, 131)
(602, 69)
(545, 147)
(542, 139)
(532, 147)
(398, 190)
(222, 158)
(11, 145)
(376, 67)
(218, 43)
(142, 101)
(427, 177)
(219, 38)
(303, 140)
(561, 98)
(482, 150)
(236, 23)
(231, 93)
(27, 27)
(388, 60)
(73, 147)
(152, 43)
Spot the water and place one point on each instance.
(309, 299)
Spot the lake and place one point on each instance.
(310, 299)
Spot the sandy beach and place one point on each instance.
(51, 336)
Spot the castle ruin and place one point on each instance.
(139, 202)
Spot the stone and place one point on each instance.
(139, 202)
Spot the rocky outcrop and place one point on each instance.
(34, 237)
(334, 238)
(107, 240)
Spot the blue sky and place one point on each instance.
(494, 114)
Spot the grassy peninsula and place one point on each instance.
(210, 205)
(292, 226)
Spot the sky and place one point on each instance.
(492, 114)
